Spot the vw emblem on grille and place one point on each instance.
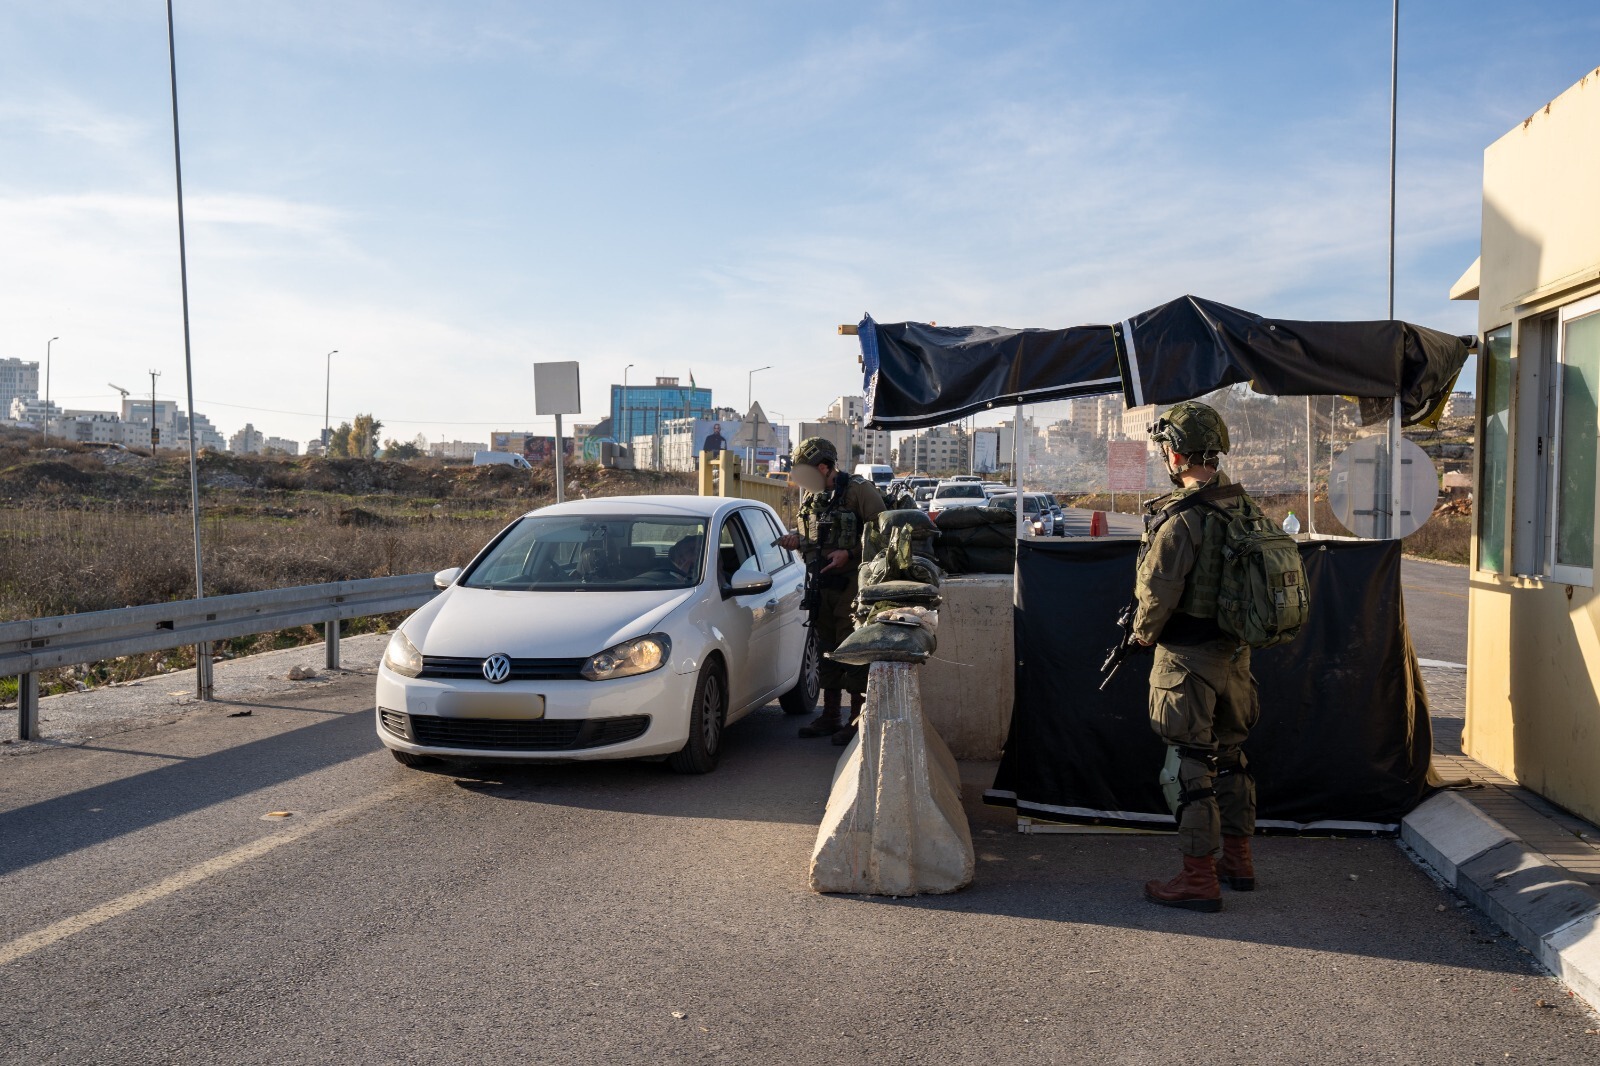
(496, 668)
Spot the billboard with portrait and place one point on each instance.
(714, 434)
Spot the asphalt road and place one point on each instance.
(619, 914)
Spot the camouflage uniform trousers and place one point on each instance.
(1203, 701)
(833, 623)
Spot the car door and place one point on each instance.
(739, 615)
(788, 589)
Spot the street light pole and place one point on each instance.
(750, 386)
(47, 345)
(327, 395)
(627, 430)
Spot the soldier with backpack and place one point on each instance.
(1216, 577)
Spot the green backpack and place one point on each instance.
(1262, 598)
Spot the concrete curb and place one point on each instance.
(1555, 917)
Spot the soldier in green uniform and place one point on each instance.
(1203, 699)
(836, 509)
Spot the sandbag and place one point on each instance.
(971, 517)
(921, 569)
(910, 518)
(886, 642)
(906, 593)
(991, 560)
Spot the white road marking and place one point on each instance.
(1442, 664)
(29, 943)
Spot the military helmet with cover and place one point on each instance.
(1191, 428)
(814, 450)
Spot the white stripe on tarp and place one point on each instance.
(1133, 363)
(1441, 664)
(1007, 401)
(1329, 824)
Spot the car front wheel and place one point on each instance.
(707, 713)
(416, 762)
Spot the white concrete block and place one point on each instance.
(1447, 831)
(967, 689)
(1573, 954)
(894, 825)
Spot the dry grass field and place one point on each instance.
(89, 530)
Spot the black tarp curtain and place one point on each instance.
(1343, 743)
(920, 375)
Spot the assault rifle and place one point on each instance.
(811, 599)
(1123, 647)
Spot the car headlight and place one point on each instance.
(638, 656)
(402, 656)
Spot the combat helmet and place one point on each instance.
(814, 450)
(1192, 429)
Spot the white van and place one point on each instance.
(880, 474)
(500, 459)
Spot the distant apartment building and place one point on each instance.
(32, 410)
(282, 446)
(1096, 416)
(18, 379)
(940, 450)
(1136, 422)
(1461, 405)
(456, 449)
(247, 441)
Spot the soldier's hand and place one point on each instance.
(789, 541)
(837, 560)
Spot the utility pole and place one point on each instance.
(327, 395)
(47, 345)
(154, 436)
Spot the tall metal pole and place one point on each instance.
(627, 430)
(47, 345)
(202, 651)
(155, 437)
(327, 398)
(1390, 513)
(561, 470)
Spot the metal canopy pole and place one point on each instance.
(202, 661)
(1389, 516)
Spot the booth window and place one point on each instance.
(1573, 518)
(1495, 412)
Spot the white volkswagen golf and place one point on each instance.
(617, 628)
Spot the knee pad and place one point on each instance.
(1178, 797)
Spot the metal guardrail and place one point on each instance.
(36, 644)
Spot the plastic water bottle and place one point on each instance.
(1291, 525)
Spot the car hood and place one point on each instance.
(537, 625)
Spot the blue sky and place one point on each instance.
(450, 193)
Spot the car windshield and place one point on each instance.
(594, 553)
(1030, 504)
(959, 490)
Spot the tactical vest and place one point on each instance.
(844, 531)
(1200, 591)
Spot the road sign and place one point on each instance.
(1125, 465)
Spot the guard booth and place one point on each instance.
(1534, 621)
(1348, 749)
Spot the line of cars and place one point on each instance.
(1041, 511)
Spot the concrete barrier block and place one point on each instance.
(894, 825)
(1573, 954)
(1448, 830)
(967, 690)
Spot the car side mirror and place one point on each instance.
(445, 578)
(748, 583)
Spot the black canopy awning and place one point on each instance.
(920, 375)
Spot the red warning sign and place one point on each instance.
(1125, 465)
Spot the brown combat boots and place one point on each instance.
(1236, 869)
(825, 724)
(1196, 889)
